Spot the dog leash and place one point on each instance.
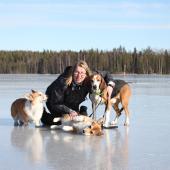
(96, 108)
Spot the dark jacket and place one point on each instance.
(63, 98)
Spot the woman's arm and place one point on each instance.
(110, 83)
(55, 102)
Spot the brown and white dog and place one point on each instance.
(79, 124)
(28, 109)
(99, 95)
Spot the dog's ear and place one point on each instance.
(28, 96)
(33, 91)
(93, 123)
(100, 121)
(102, 84)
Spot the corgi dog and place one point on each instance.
(28, 109)
(79, 124)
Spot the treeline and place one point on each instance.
(118, 60)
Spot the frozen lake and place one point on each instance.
(143, 145)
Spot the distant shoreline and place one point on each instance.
(118, 60)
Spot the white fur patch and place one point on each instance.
(78, 118)
(57, 119)
(55, 127)
(113, 100)
(67, 128)
(34, 112)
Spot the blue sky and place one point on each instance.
(84, 24)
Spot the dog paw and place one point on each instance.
(126, 124)
(109, 125)
(114, 123)
(57, 119)
(16, 124)
(54, 127)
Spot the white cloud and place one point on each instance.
(101, 15)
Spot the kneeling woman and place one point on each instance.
(67, 92)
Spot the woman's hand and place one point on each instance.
(73, 114)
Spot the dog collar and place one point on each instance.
(98, 92)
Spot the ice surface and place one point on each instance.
(145, 144)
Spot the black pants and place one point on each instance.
(47, 118)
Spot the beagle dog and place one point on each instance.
(98, 95)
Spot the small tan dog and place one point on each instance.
(28, 109)
(80, 124)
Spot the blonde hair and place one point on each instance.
(82, 64)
